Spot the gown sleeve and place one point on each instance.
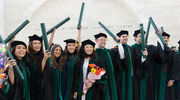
(101, 83)
(161, 55)
(45, 85)
(6, 91)
(174, 66)
(76, 73)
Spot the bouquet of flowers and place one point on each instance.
(95, 74)
(2, 63)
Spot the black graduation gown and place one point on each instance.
(47, 84)
(19, 85)
(119, 66)
(166, 65)
(155, 56)
(45, 87)
(96, 92)
(140, 74)
(41, 83)
(177, 81)
(146, 69)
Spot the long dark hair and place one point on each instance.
(82, 54)
(31, 51)
(54, 63)
(25, 59)
(65, 55)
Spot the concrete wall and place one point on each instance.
(2, 18)
(116, 14)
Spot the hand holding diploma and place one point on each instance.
(16, 68)
(145, 52)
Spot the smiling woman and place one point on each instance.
(95, 90)
(38, 66)
(67, 63)
(56, 52)
(88, 49)
(21, 87)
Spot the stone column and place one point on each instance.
(2, 18)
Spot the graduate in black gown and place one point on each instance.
(56, 52)
(165, 71)
(21, 87)
(41, 85)
(122, 58)
(95, 90)
(140, 68)
(104, 55)
(67, 64)
(177, 81)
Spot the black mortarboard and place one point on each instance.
(85, 42)
(122, 32)
(15, 43)
(70, 41)
(172, 47)
(100, 35)
(179, 42)
(165, 34)
(35, 37)
(137, 32)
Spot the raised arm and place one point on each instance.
(79, 38)
(9, 43)
(52, 37)
(46, 56)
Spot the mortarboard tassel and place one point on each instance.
(27, 47)
(42, 43)
(75, 44)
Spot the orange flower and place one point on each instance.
(98, 72)
(91, 65)
(102, 69)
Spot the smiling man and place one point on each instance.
(104, 56)
(122, 59)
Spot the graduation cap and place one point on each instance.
(137, 32)
(15, 43)
(179, 42)
(122, 32)
(165, 34)
(35, 37)
(172, 47)
(100, 35)
(70, 41)
(88, 41)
